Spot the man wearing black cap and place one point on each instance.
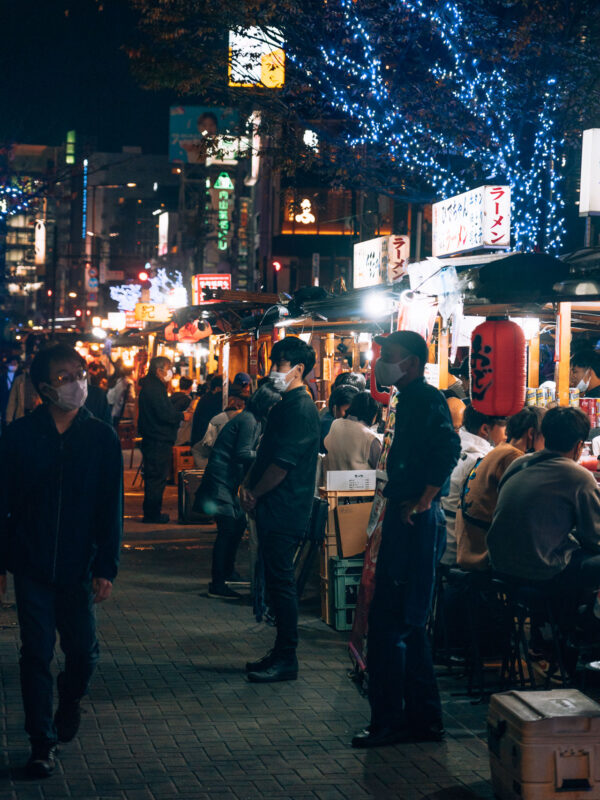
(405, 703)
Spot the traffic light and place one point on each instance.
(277, 266)
(143, 276)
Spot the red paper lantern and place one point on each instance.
(381, 397)
(498, 368)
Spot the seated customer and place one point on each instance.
(350, 443)
(477, 437)
(480, 491)
(585, 373)
(547, 520)
(339, 403)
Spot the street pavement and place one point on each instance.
(170, 713)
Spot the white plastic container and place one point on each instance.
(544, 745)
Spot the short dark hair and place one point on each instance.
(563, 428)
(158, 362)
(528, 417)
(364, 407)
(352, 379)
(588, 359)
(295, 351)
(473, 420)
(342, 396)
(411, 341)
(44, 358)
(216, 382)
(263, 399)
(185, 383)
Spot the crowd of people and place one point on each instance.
(464, 492)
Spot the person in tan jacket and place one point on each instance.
(480, 491)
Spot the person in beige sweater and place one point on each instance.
(480, 492)
(350, 443)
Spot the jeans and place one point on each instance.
(42, 610)
(278, 553)
(230, 530)
(402, 686)
(157, 463)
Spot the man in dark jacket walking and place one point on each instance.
(158, 422)
(405, 703)
(61, 489)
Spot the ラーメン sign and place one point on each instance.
(381, 260)
(475, 220)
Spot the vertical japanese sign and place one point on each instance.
(223, 200)
(381, 260)
(243, 234)
(471, 221)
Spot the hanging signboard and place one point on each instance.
(479, 219)
(204, 281)
(589, 193)
(381, 260)
(152, 312)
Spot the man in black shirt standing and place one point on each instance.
(280, 492)
(405, 704)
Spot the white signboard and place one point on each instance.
(381, 260)
(163, 234)
(589, 193)
(40, 242)
(471, 221)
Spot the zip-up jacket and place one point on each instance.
(61, 499)
(158, 418)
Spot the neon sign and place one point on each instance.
(224, 185)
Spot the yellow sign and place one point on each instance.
(152, 312)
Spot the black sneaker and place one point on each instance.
(263, 663)
(162, 519)
(42, 759)
(223, 592)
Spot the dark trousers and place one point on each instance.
(43, 610)
(278, 551)
(402, 686)
(230, 530)
(157, 463)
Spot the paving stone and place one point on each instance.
(170, 713)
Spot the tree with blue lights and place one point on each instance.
(441, 95)
(461, 93)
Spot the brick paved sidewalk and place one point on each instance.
(171, 715)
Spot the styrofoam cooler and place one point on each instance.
(544, 745)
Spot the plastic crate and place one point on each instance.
(344, 581)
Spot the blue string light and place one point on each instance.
(353, 81)
(12, 200)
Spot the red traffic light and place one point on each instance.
(143, 276)
(277, 266)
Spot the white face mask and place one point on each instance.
(169, 374)
(583, 385)
(70, 396)
(388, 374)
(280, 380)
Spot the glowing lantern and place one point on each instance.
(498, 368)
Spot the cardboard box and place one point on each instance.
(351, 528)
(349, 481)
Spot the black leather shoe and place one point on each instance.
(278, 671)
(223, 592)
(380, 737)
(432, 733)
(264, 663)
(162, 519)
(42, 759)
